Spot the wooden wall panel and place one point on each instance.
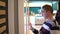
(2, 12)
(3, 20)
(2, 3)
(2, 28)
(3, 17)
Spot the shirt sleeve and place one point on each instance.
(34, 31)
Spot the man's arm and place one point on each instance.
(32, 29)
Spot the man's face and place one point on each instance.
(44, 13)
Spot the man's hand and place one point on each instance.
(29, 25)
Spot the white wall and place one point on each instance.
(21, 16)
(11, 16)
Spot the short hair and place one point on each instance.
(48, 8)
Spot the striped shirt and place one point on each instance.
(47, 26)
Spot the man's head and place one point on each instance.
(47, 11)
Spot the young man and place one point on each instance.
(47, 13)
